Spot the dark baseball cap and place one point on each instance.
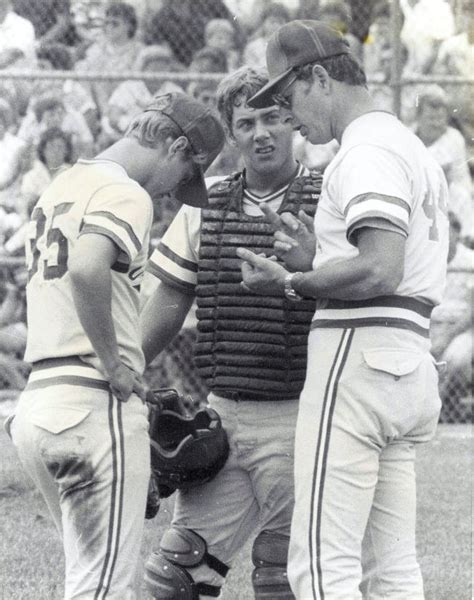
(204, 133)
(294, 44)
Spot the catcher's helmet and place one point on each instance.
(186, 449)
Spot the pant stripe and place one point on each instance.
(322, 449)
(121, 469)
(116, 499)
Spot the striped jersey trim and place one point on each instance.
(386, 311)
(69, 370)
(118, 230)
(172, 268)
(374, 206)
(269, 197)
(182, 262)
(320, 462)
(89, 228)
(166, 277)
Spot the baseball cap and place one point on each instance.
(204, 133)
(294, 44)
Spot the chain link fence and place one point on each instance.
(383, 34)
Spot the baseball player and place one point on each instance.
(250, 350)
(370, 393)
(81, 427)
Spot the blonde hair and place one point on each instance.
(151, 128)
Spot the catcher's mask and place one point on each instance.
(187, 449)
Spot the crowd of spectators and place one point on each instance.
(46, 124)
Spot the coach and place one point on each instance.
(370, 393)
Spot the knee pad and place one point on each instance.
(166, 571)
(270, 557)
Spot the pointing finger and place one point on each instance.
(270, 215)
(307, 220)
(249, 256)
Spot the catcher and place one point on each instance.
(251, 352)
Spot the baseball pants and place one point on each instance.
(254, 491)
(370, 396)
(89, 454)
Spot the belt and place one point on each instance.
(67, 370)
(387, 311)
(239, 396)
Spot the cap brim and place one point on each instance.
(263, 97)
(193, 192)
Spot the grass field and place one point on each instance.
(31, 563)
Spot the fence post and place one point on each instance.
(396, 63)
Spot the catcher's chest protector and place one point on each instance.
(248, 342)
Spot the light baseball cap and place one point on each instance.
(204, 133)
(295, 44)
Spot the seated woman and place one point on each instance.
(448, 147)
(54, 154)
(116, 51)
(131, 97)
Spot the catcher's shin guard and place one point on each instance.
(270, 556)
(166, 571)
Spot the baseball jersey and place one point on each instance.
(175, 260)
(94, 196)
(384, 177)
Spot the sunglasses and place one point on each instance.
(280, 99)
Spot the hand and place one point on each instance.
(260, 274)
(295, 242)
(124, 382)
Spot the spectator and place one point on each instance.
(456, 57)
(337, 14)
(12, 154)
(273, 16)
(209, 60)
(204, 91)
(55, 152)
(48, 111)
(447, 145)
(88, 17)
(377, 50)
(117, 52)
(181, 25)
(73, 93)
(451, 322)
(220, 33)
(13, 370)
(51, 19)
(131, 97)
(17, 38)
(426, 24)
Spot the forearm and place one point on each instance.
(161, 319)
(352, 279)
(93, 300)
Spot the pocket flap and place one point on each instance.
(58, 419)
(393, 360)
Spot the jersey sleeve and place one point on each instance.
(175, 260)
(124, 214)
(373, 190)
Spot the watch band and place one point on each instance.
(290, 293)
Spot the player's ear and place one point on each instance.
(321, 77)
(178, 145)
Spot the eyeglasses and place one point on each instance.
(113, 22)
(280, 99)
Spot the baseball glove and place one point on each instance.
(188, 443)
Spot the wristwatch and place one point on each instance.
(290, 293)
